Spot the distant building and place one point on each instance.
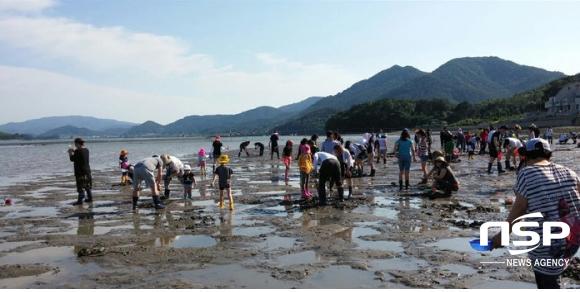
(567, 101)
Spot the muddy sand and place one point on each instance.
(379, 239)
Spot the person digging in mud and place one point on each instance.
(553, 191)
(444, 180)
(259, 146)
(148, 170)
(328, 168)
(80, 158)
(174, 167)
(346, 166)
(243, 148)
(495, 149)
(511, 146)
(224, 176)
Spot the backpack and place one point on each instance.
(305, 163)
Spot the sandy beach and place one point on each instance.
(381, 238)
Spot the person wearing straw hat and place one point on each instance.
(444, 180)
(223, 174)
(148, 170)
(174, 167)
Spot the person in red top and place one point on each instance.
(484, 135)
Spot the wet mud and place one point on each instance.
(380, 238)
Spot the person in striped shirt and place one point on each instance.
(553, 190)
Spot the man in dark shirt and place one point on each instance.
(80, 157)
(495, 150)
(274, 146)
(260, 146)
(243, 148)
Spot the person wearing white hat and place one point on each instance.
(553, 191)
(174, 167)
(188, 181)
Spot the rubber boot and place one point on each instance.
(135, 201)
(499, 168)
(221, 205)
(231, 205)
(349, 191)
(80, 198)
(406, 185)
(373, 172)
(400, 185)
(89, 198)
(489, 165)
(340, 194)
(157, 203)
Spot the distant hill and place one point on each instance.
(149, 128)
(313, 118)
(464, 79)
(70, 131)
(399, 113)
(245, 123)
(301, 105)
(474, 79)
(7, 136)
(43, 125)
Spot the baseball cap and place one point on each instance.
(538, 144)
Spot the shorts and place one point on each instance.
(383, 152)
(287, 160)
(493, 153)
(141, 173)
(224, 186)
(201, 163)
(404, 164)
(424, 158)
(187, 185)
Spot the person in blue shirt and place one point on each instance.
(405, 150)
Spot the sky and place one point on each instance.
(161, 60)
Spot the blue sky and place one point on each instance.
(161, 60)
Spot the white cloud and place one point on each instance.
(25, 6)
(141, 59)
(28, 93)
(101, 48)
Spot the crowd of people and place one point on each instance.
(335, 162)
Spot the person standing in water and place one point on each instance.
(329, 143)
(216, 149)
(404, 150)
(274, 146)
(495, 149)
(382, 149)
(259, 146)
(82, 169)
(305, 164)
(243, 148)
(422, 152)
(287, 159)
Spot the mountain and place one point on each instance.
(70, 131)
(395, 114)
(245, 123)
(252, 122)
(301, 105)
(42, 125)
(149, 128)
(474, 79)
(463, 79)
(313, 118)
